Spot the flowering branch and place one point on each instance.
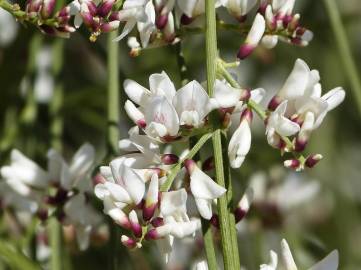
(229, 247)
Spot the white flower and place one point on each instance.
(200, 265)
(159, 85)
(173, 203)
(272, 265)
(192, 104)
(226, 96)
(147, 28)
(23, 174)
(161, 118)
(278, 125)
(203, 188)
(133, 11)
(8, 28)
(76, 174)
(239, 8)
(240, 143)
(253, 38)
(82, 216)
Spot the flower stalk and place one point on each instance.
(229, 245)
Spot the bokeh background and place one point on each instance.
(318, 212)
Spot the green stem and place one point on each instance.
(113, 131)
(347, 60)
(229, 245)
(56, 132)
(175, 170)
(113, 94)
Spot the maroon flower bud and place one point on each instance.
(246, 95)
(292, 164)
(239, 214)
(105, 7)
(247, 115)
(169, 159)
(300, 145)
(215, 221)
(185, 20)
(208, 164)
(244, 51)
(312, 160)
(274, 102)
(47, 8)
(158, 221)
(128, 242)
(161, 21)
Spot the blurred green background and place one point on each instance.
(330, 220)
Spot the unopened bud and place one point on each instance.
(312, 160)
(215, 221)
(134, 223)
(208, 164)
(161, 21)
(129, 242)
(274, 103)
(185, 20)
(247, 115)
(169, 159)
(294, 164)
(105, 7)
(157, 222)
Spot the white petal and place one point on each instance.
(161, 85)
(137, 93)
(133, 112)
(82, 161)
(286, 127)
(204, 207)
(126, 30)
(202, 186)
(273, 262)
(161, 112)
(257, 30)
(55, 163)
(117, 192)
(173, 202)
(152, 194)
(225, 95)
(328, 263)
(287, 256)
(83, 236)
(296, 82)
(334, 97)
(246, 201)
(187, 7)
(239, 144)
(134, 185)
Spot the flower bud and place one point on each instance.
(134, 223)
(129, 242)
(157, 222)
(274, 102)
(253, 38)
(169, 159)
(110, 26)
(208, 164)
(215, 221)
(312, 160)
(244, 205)
(151, 201)
(105, 7)
(47, 8)
(294, 164)
(161, 21)
(185, 20)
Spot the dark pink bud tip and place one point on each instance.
(239, 214)
(158, 221)
(169, 159)
(161, 21)
(42, 214)
(148, 212)
(185, 20)
(300, 145)
(247, 115)
(137, 230)
(244, 51)
(312, 160)
(246, 95)
(292, 164)
(208, 164)
(242, 19)
(151, 235)
(141, 123)
(189, 165)
(273, 104)
(286, 20)
(215, 221)
(104, 9)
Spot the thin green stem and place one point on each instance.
(209, 245)
(113, 131)
(229, 245)
(113, 94)
(347, 60)
(175, 170)
(56, 132)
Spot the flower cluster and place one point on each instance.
(164, 22)
(61, 191)
(297, 110)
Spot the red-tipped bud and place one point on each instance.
(151, 201)
(294, 164)
(190, 165)
(185, 20)
(244, 205)
(110, 26)
(244, 51)
(134, 223)
(208, 164)
(247, 115)
(161, 21)
(157, 222)
(246, 95)
(273, 104)
(300, 144)
(312, 160)
(47, 8)
(128, 242)
(215, 221)
(104, 9)
(152, 235)
(169, 159)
